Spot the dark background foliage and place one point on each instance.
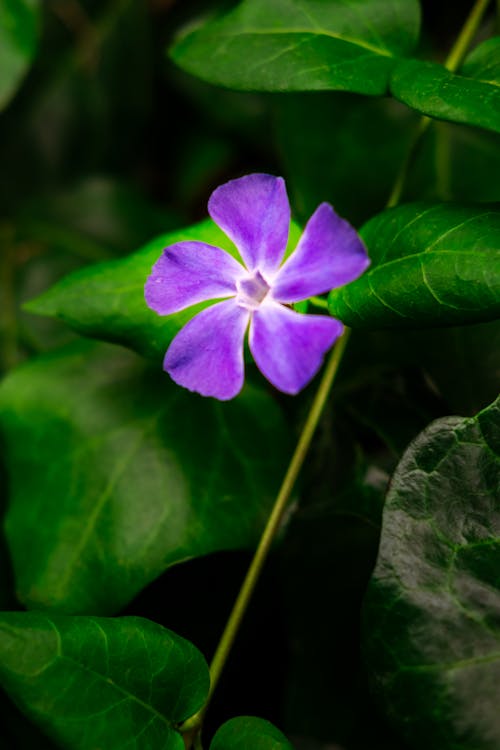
(108, 144)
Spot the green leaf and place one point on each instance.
(19, 21)
(92, 682)
(117, 473)
(432, 265)
(432, 613)
(366, 139)
(455, 163)
(302, 45)
(106, 300)
(95, 219)
(249, 733)
(473, 97)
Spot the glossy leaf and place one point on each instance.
(93, 682)
(116, 474)
(432, 265)
(472, 97)
(106, 300)
(249, 733)
(304, 45)
(19, 21)
(432, 614)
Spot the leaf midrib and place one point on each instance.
(384, 52)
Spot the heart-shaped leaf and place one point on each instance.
(19, 21)
(302, 45)
(117, 473)
(473, 97)
(93, 682)
(106, 300)
(432, 614)
(249, 733)
(432, 265)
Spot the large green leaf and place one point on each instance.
(117, 473)
(302, 45)
(93, 682)
(432, 614)
(473, 97)
(106, 300)
(18, 40)
(432, 265)
(249, 733)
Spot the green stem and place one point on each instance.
(452, 63)
(272, 526)
(467, 34)
(319, 302)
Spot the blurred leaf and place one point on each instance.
(336, 45)
(249, 733)
(117, 473)
(473, 97)
(19, 21)
(464, 364)
(106, 301)
(456, 163)
(363, 139)
(89, 105)
(432, 265)
(95, 218)
(432, 613)
(94, 682)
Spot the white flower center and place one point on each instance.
(252, 290)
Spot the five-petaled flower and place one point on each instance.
(288, 347)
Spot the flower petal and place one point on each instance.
(191, 272)
(330, 253)
(288, 347)
(255, 214)
(206, 356)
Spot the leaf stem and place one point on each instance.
(452, 63)
(272, 526)
(468, 32)
(319, 302)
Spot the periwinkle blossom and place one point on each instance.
(288, 347)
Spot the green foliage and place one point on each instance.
(117, 474)
(432, 265)
(304, 45)
(473, 97)
(19, 20)
(431, 614)
(106, 301)
(93, 682)
(249, 733)
(364, 138)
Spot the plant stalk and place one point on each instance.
(452, 63)
(272, 526)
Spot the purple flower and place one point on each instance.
(206, 356)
